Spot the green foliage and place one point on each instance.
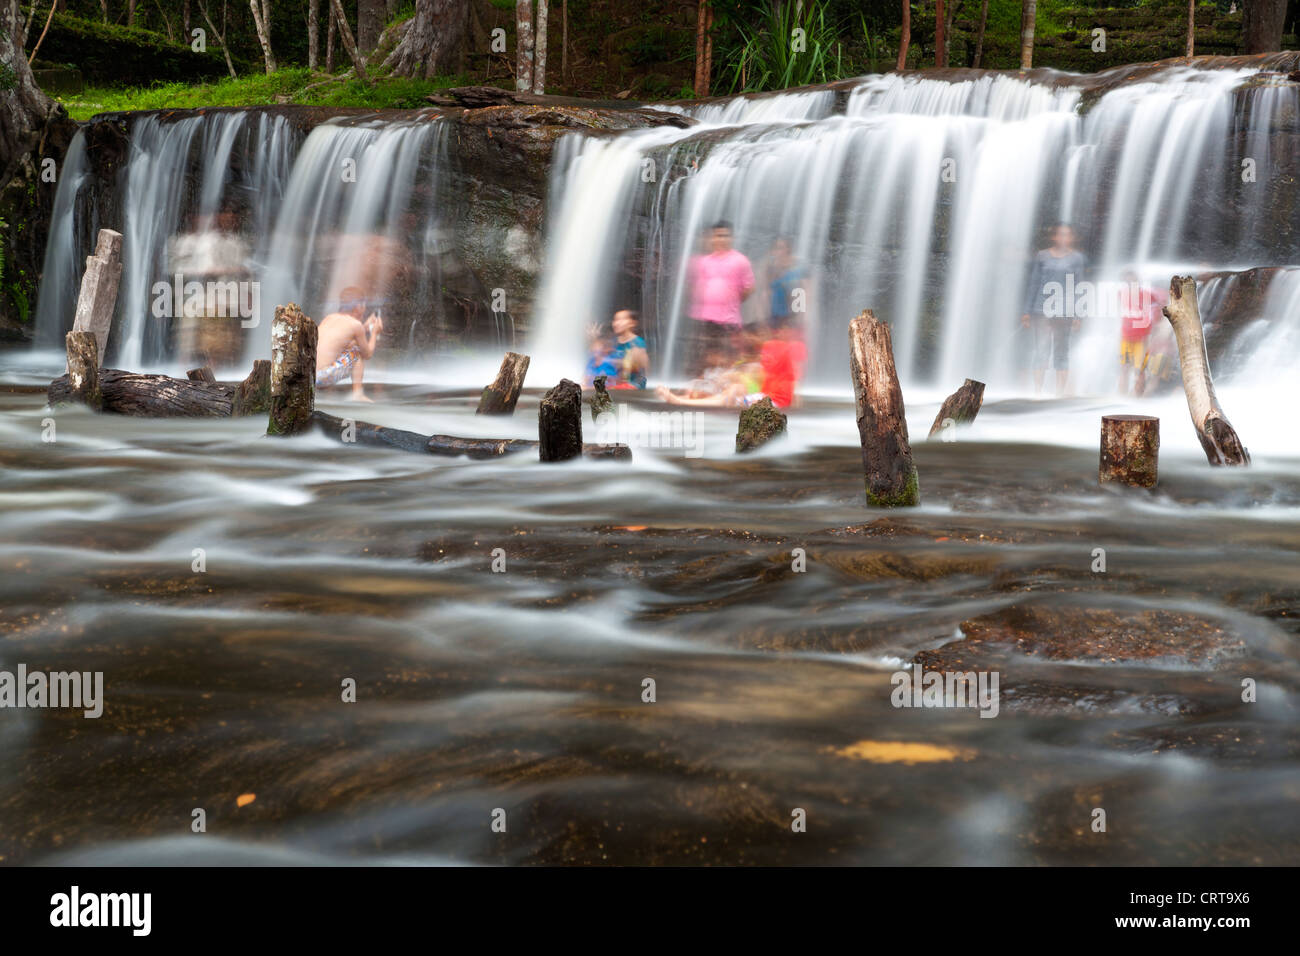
(294, 85)
(111, 54)
(788, 45)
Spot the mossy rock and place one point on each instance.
(759, 424)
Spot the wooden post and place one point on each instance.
(759, 424)
(559, 422)
(891, 477)
(502, 395)
(600, 401)
(293, 371)
(1218, 438)
(98, 296)
(1130, 450)
(203, 374)
(959, 408)
(253, 396)
(83, 370)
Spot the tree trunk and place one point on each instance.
(24, 109)
(432, 43)
(151, 396)
(98, 296)
(940, 41)
(559, 422)
(449, 446)
(330, 31)
(701, 84)
(293, 371)
(262, 23)
(185, 20)
(1130, 450)
(221, 37)
(539, 48)
(891, 477)
(83, 371)
(1028, 14)
(979, 42)
(564, 42)
(477, 448)
(49, 18)
(523, 45)
(203, 374)
(345, 36)
(1191, 28)
(130, 13)
(1261, 25)
(906, 39)
(370, 24)
(502, 395)
(959, 408)
(313, 34)
(1217, 436)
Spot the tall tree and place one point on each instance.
(1191, 28)
(1028, 12)
(940, 41)
(370, 23)
(539, 47)
(313, 34)
(262, 23)
(330, 33)
(979, 42)
(906, 40)
(1261, 25)
(345, 37)
(433, 40)
(219, 34)
(523, 45)
(703, 48)
(24, 109)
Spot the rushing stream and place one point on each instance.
(500, 618)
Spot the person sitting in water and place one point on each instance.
(600, 356)
(772, 376)
(345, 342)
(629, 354)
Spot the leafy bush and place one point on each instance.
(123, 56)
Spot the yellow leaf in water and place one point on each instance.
(902, 751)
(244, 799)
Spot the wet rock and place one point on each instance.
(759, 424)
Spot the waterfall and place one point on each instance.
(925, 200)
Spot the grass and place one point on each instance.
(290, 85)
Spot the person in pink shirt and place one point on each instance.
(719, 282)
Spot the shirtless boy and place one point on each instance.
(345, 342)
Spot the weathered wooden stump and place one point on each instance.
(83, 371)
(293, 371)
(204, 374)
(502, 395)
(891, 477)
(253, 395)
(559, 422)
(98, 295)
(1218, 437)
(600, 400)
(1130, 450)
(959, 408)
(759, 424)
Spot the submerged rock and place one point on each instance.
(759, 424)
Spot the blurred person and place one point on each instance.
(1062, 266)
(345, 343)
(719, 282)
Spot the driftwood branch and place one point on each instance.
(959, 408)
(502, 395)
(1217, 436)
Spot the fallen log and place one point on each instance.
(293, 371)
(891, 477)
(98, 294)
(502, 395)
(1217, 436)
(83, 371)
(348, 431)
(559, 422)
(759, 424)
(1130, 450)
(151, 396)
(959, 408)
(204, 374)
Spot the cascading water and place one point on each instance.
(925, 201)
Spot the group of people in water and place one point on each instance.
(732, 364)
